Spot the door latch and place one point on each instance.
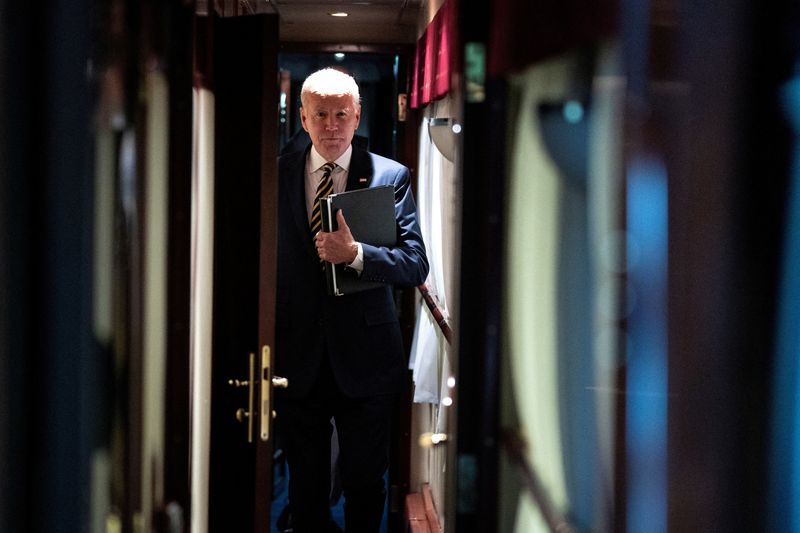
(266, 413)
(241, 413)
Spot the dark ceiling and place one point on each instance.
(368, 21)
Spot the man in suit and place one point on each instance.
(343, 355)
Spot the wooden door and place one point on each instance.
(244, 83)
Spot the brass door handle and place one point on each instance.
(430, 440)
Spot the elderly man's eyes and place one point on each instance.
(324, 114)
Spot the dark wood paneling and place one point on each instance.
(177, 445)
(482, 168)
(268, 246)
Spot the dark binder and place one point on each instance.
(370, 215)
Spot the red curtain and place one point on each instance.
(522, 32)
(434, 59)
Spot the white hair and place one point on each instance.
(330, 82)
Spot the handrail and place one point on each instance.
(428, 511)
(432, 302)
(515, 447)
(513, 443)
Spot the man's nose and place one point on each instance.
(330, 123)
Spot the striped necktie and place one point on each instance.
(324, 188)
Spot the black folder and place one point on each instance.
(370, 215)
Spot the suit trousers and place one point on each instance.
(363, 426)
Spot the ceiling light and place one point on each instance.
(338, 14)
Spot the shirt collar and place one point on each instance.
(343, 161)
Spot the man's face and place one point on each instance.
(331, 121)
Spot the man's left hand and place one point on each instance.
(337, 246)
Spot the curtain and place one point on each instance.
(559, 305)
(437, 208)
(429, 349)
(434, 58)
(534, 191)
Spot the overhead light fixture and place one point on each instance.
(339, 56)
(339, 14)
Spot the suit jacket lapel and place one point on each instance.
(360, 174)
(295, 184)
(358, 177)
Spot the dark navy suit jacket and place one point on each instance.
(359, 332)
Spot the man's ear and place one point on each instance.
(303, 117)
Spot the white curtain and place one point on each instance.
(429, 350)
(437, 207)
(562, 397)
(535, 189)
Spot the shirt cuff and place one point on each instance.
(358, 262)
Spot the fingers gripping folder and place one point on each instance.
(370, 215)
